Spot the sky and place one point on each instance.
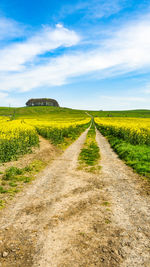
(92, 54)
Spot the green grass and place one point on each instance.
(56, 113)
(5, 111)
(14, 175)
(89, 155)
(107, 221)
(2, 203)
(11, 172)
(2, 190)
(105, 203)
(45, 113)
(141, 113)
(136, 156)
(14, 178)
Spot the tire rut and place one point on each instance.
(30, 211)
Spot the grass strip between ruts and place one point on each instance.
(90, 154)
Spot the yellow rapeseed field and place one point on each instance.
(134, 130)
(4, 118)
(59, 131)
(55, 124)
(18, 136)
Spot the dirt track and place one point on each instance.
(72, 218)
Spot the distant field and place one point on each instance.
(143, 113)
(53, 113)
(26, 112)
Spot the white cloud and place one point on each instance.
(56, 72)
(105, 8)
(16, 55)
(10, 29)
(127, 50)
(93, 9)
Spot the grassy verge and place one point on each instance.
(89, 155)
(14, 179)
(136, 156)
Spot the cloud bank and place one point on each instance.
(30, 64)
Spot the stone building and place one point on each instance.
(42, 102)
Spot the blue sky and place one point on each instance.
(86, 54)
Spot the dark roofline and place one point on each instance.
(33, 100)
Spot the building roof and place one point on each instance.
(40, 100)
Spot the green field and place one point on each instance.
(54, 113)
(139, 113)
(28, 112)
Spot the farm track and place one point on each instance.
(71, 218)
(130, 208)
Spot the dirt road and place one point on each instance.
(130, 209)
(71, 218)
